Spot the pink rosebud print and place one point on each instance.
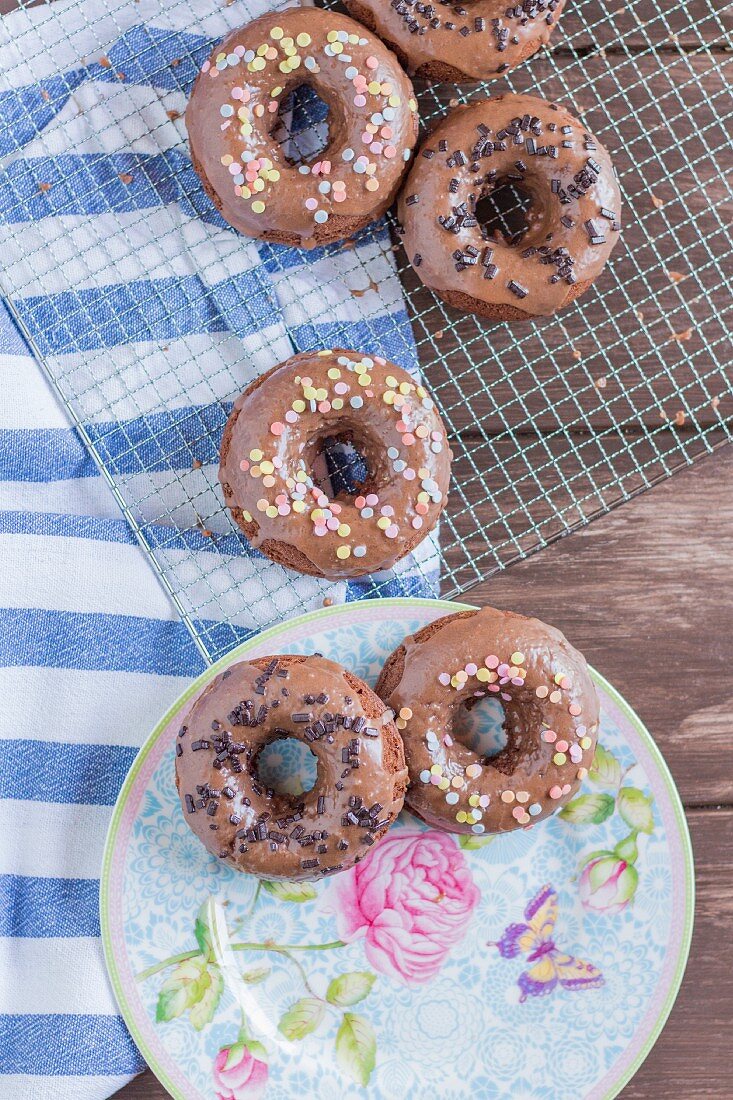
(411, 899)
(607, 883)
(238, 1074)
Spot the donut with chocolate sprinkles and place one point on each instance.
(527, 149)
(291, 419)
(451, 41)
(551, 715)
(233, 118)
(361, 774)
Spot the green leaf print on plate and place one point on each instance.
(194, 986)
(588, 809)
(290, 891)
(349, 989)
(636, 809)
(302, 1018)
(356, 1047)
(605, 769)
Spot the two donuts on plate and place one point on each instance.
(369, 745)
(477, 150)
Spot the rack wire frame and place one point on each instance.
(552, 422)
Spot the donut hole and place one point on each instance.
(344, 462)
(286, 766)
(505, 212)
(480, 725)
(301, 127)
(340, 468)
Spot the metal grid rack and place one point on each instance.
(552, 422)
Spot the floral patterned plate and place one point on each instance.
(542, 963)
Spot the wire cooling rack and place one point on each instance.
(552, 422)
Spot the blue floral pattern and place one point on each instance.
(463, 1034)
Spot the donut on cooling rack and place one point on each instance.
(551, 719)
(276, 434)
(541, 151)
(450, 41)
(234, 108)
(361, 774)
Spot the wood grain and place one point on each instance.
(644, 592)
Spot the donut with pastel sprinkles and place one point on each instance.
(276, 437)
(233, 115)
(551, 715)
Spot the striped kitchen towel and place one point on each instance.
(154, 313)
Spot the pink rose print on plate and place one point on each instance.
(411, 899)
(238, 1074)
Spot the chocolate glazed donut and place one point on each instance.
(360, 782)
(372, 127)
(456, 43)
(280, 425)
(551, 719)
(573, 221)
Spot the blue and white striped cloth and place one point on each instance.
(91, 649)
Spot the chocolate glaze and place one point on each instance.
(366, 93)
(526, 781)
(516, 139)
(408, 473)
(361, 775)
(453, 41)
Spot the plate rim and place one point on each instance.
(333, 611)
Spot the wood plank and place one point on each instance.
(655, 322)
(691, 1057)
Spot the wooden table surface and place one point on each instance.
(645, 592)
